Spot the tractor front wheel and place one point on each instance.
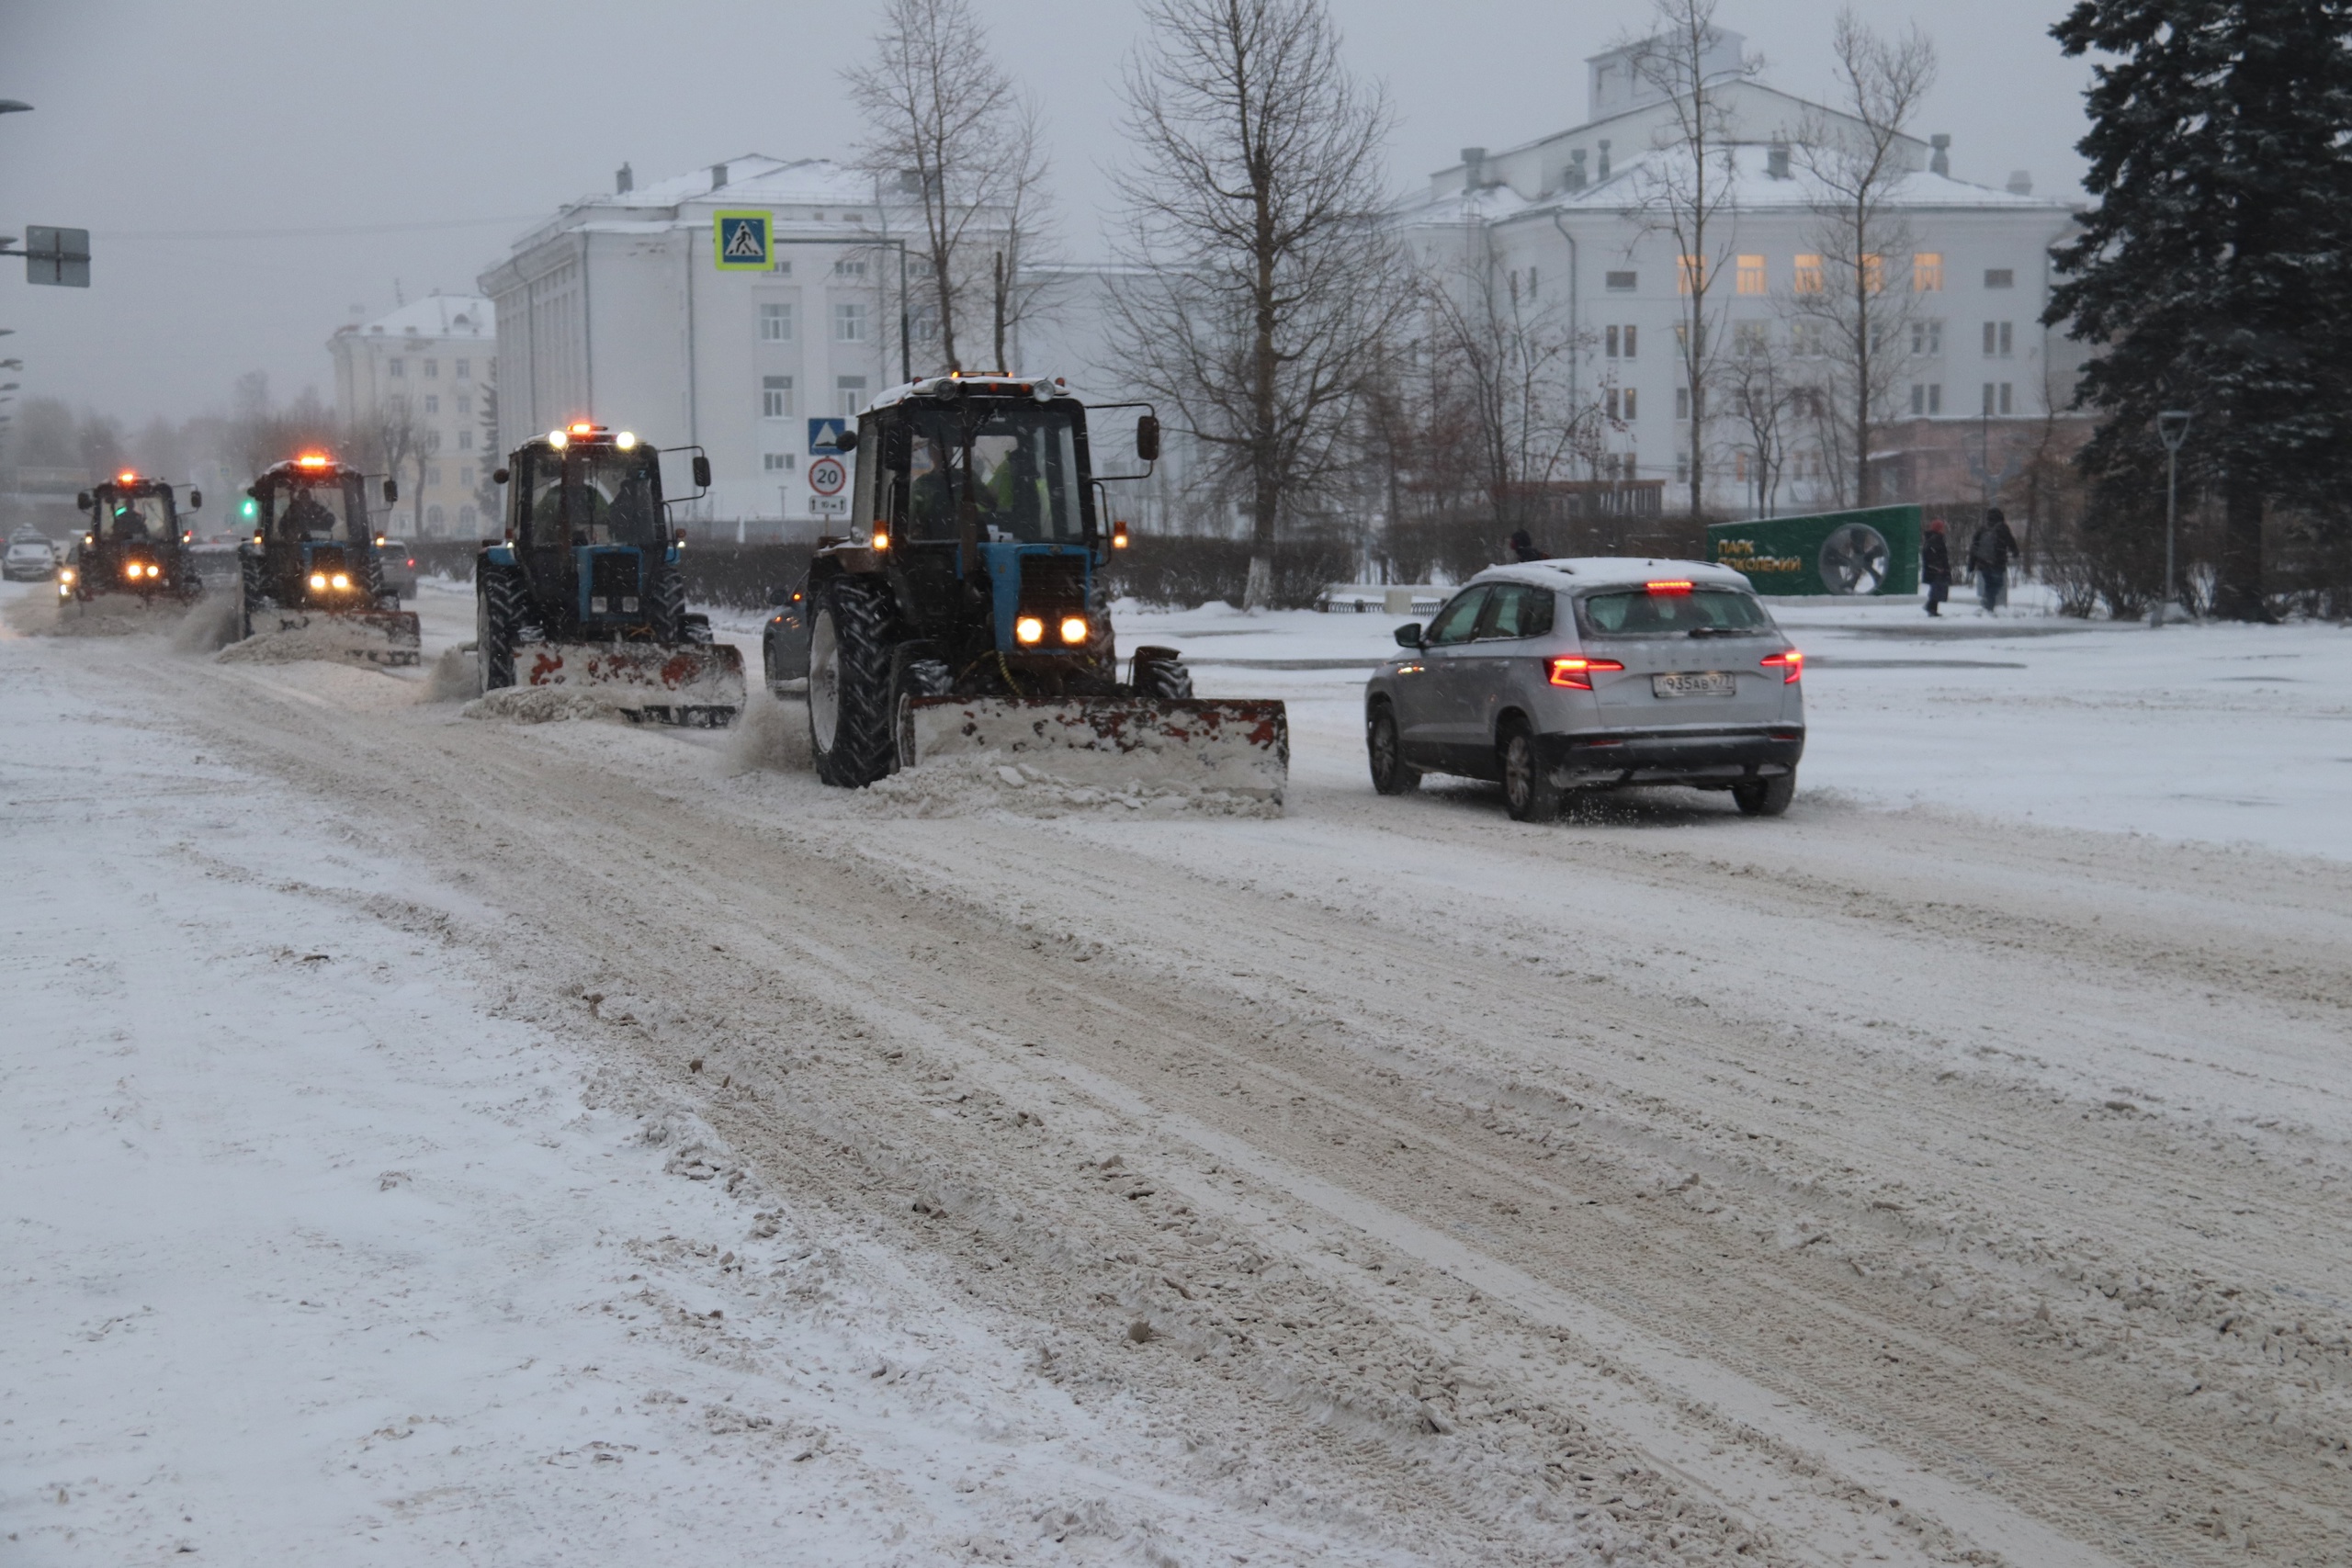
(498, 616)
(849, 699)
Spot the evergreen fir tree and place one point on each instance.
(2213, 273)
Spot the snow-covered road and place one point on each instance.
(1384, 1182)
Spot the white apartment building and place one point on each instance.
(1571, 223)
(614, 310)
(432, 362)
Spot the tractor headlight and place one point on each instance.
(1074, 629)
(154, 571)
(341, 580)
(1029, 630)
(318, 580)
(65, 575)
(131, 571)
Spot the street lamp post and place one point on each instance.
(2172, 429)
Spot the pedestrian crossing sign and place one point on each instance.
(741, 241)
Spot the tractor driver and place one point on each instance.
(305, 518)
(131, 524)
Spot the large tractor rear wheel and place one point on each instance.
(850, 727)
(498, 612)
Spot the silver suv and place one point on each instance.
(1591, 673)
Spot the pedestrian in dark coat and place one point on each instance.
(1988, 559)
(1935, 565)
(1523, 547)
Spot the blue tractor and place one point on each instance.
(311, 570)
(584, 592)
(967, 609)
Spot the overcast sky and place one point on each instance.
(254, 170)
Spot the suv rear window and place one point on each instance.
(1639, 612)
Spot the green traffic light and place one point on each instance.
(251, 507)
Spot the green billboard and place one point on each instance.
(1873, 550)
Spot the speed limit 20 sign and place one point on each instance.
(827, 475)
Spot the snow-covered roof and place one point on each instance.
(753, 180)
(1754, 190)
(436, 315)
(1610, 571)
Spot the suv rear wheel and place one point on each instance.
(1765, 798)
(1529, 793)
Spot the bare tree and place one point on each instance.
(1690, 192)
(1765, 401)
(1024, 229)
(945, 120)
(1857, 163)
(390, 438)
(1255, 206)
(1501, 357)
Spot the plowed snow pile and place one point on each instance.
(454, 677)
(324, 638)
(1076, 781)
(538, 704)
(111, 614)
(771, 737)
(212, 623)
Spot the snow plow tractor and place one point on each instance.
(134, 545)
(310, 577)
(584, 592)
(965, 615)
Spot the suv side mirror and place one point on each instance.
(392, 491)
(702, 471)
(196, 500)
(1148, 438)
(1409, 635)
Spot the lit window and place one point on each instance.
(1751, 274)
(2001, 277)
(849, 395)
(1874, 273)
(1631, 413)
(775, 322)
(1621, 282)
(849, 321)
(1690, 275)
(775, 397)
(1622, 340)
(1806, 278)
(1927, 272)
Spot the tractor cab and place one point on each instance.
(584, 524)
(134, 543)
(312, 536)
(975, 495)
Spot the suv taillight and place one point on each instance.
(1577, 674)
(1791, 661)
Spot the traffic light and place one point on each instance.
(251, 509)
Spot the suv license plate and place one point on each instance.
(1709, 684)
